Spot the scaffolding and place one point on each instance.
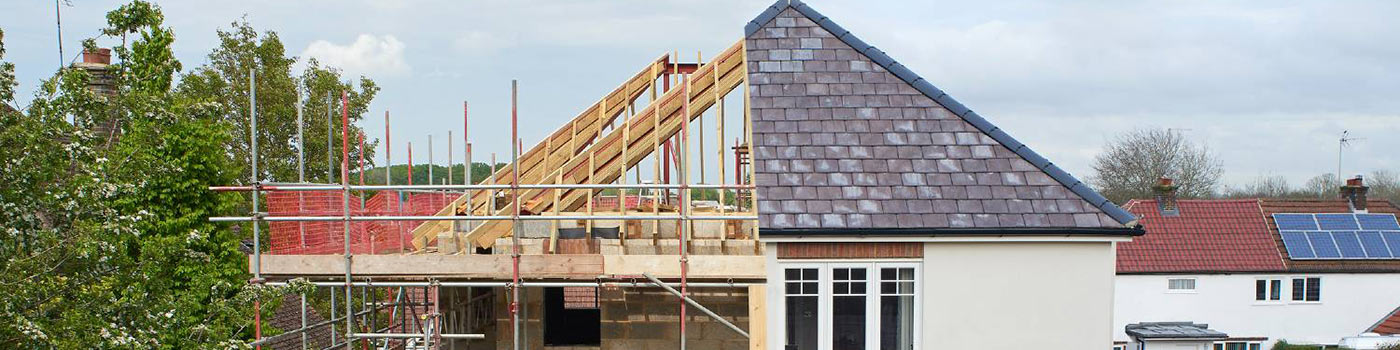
(561, 175)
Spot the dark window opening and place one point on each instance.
(1307, 289)
(801, 313)
(569, 326)
(1261, 290)
(848, 309)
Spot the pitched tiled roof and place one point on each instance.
(1172, 330)
(1272, 206)
(845, 137)
(1205, 236)
(1390, 325)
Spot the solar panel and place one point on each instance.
(1392, 240)
(1296, 242)
(1323, 245)
(1378, 221)
(1348, 244)
(1374, 245)
(1295, 221)
(1335, 222)
(1339, 235)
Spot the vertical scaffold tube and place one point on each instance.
(684, 235)
(257, 239)
(345, 200)
(515, 218)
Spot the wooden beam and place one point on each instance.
(758, 317)
(700, 266)
(497, 266)
(604, 162)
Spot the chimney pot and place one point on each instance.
(100, 56)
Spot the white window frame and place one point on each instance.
(1195, 283)
(1285, 288)
(872, 299)
(1224, 344)
(1305, 278)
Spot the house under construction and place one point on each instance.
(862, 180)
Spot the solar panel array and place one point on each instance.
(1339, 236)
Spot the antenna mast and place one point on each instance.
(1342, 143)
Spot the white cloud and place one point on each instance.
(370, 55)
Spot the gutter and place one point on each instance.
(916, 232)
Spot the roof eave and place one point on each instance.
(929, 232)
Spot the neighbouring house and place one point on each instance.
(1174, 336)
(1263, 270)
(893, 217)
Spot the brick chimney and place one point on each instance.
(1355, 194)
(1165, 192)
(95, 63)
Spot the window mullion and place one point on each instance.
(872, 307)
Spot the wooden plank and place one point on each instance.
(603, 162)
(758, 317)
(498, 266)
(701, 266)
(535, 163)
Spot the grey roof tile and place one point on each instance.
(858, 140)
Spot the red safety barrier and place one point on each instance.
(366, 237)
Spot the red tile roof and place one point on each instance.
(1388, 326)
(1206, 236)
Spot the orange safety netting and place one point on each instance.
(366, 237)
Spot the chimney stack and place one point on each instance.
(1165, 192)
(1355, 194)
(101, 81)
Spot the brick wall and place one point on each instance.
(850, 250)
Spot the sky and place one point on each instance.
(1268, 86)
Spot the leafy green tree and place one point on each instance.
(107, 245)
(7, 79)
(224, 83)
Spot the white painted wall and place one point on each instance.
(1175, 345)
(1350, 304)
(1018, 295)
(999, 294)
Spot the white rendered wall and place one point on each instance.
(1349, 304)
(1018, 295)
(999, 295)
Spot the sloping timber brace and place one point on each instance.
(575, 157)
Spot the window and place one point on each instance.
(1181, 285)
(896, 308)
(850, 306)
(1268, 290)
(1306, 289)
(801, 315)
(567, 318)
(1237, 345)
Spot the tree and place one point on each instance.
(108, 245)
(1130, 164)
(7, 78)
(1384, 184)
(1265, 187)
(223, 84)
